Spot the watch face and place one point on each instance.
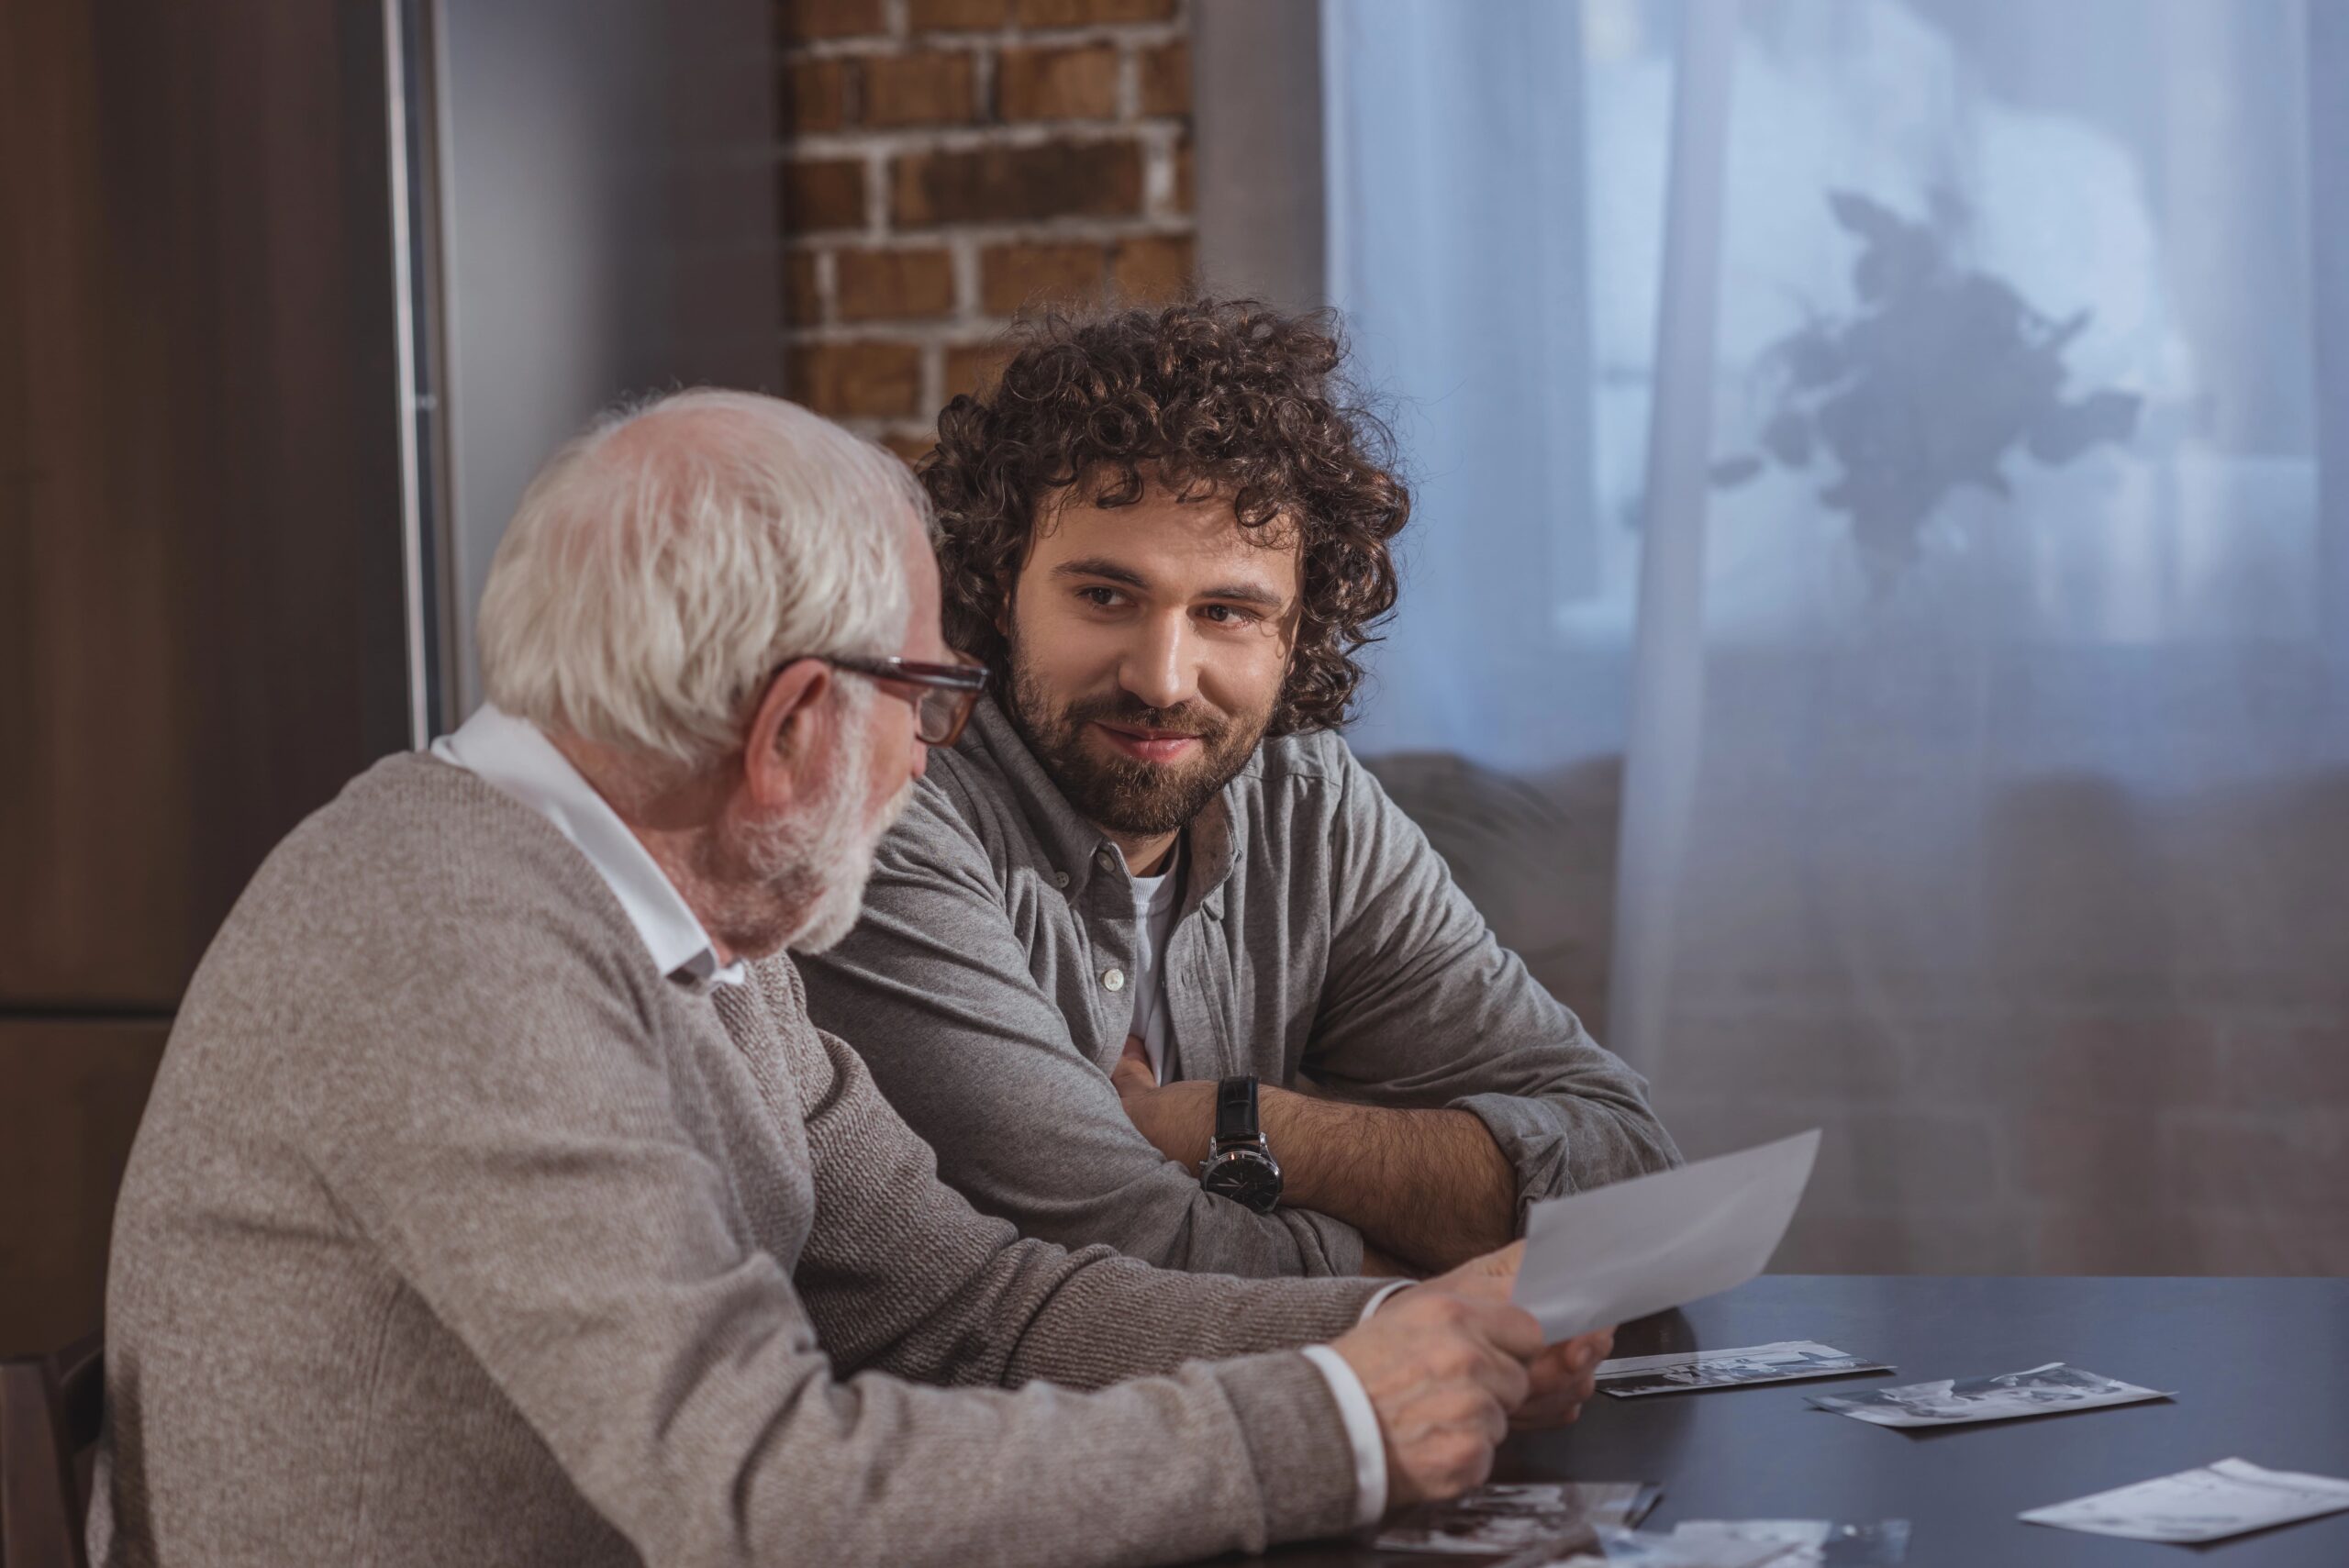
(1245, 1176)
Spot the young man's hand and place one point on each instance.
(1178, 1118)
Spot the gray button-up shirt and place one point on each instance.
(1319, 934)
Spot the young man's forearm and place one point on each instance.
(1427, 1188)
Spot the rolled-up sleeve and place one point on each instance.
(1423, 1006)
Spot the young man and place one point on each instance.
(487, 1209)
(1152, 870)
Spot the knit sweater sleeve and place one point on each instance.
(900, 1272)
(504, 1130)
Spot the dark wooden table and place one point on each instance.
(2261, 1367)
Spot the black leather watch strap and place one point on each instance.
(1235, 1108)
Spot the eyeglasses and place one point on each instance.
(942, 694)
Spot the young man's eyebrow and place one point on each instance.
(1093, 566)
(1248, 593)
(1110, 572)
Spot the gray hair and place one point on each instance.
(662, 565)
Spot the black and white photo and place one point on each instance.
(1808, 1543)
(1788, 1360)
(2040, 1391)
(1556, 1515)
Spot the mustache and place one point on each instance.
(1188, 719)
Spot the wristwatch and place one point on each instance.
(1240, 1164)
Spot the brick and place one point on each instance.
(1057, 83)
(846, 380)
(800, 20)
(1185, 201)
(972, 367)
(1011, 277)
(803, 304)
(1165, 73)
(823, 192)
(957, 16)
(911, 446)
(870, 286)
(1154, 267)
(1018, 184)
(1086, 13)
(814, 96)
(931, 87)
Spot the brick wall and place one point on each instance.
(946, 162)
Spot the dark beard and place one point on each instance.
(1125, 795)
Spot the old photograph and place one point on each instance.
(1808, 1543)
(1554, 1515)
(1643, 1548)
(2040, 1391)
(1688, 1371)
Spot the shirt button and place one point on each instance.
(1113, 980)
(1060, 879)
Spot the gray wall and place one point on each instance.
(1258, 108)
(609, 227)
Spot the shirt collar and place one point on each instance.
(1077, 847)
(514, 755)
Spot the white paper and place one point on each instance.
(1602, 1257)
(2038, 1391)
(1687, 1372)
(2216, 1501)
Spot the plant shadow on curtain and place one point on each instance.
(1876, 639)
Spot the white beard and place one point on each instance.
(846, 867)
(829, 854)
(798, 882)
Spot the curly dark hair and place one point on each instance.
(1222, 397)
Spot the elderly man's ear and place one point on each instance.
(793, 721)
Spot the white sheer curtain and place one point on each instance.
(1878, 631)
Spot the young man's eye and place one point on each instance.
(1100, 597)
(1226, 615)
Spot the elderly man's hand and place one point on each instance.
(1562, 1372)
(1443, 1373)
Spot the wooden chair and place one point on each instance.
(50, 1410)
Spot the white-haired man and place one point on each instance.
(488, 1210)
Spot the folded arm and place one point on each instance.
(934, 990)
(963, 1298)
(1447, 1089)
(1424, 1010)
(1427, 1189)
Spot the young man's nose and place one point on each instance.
(1160, 667)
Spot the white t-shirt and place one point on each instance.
(1154, 900)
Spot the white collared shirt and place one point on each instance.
(514, 755)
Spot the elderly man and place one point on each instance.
(488, 1210)
(1152, 878)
